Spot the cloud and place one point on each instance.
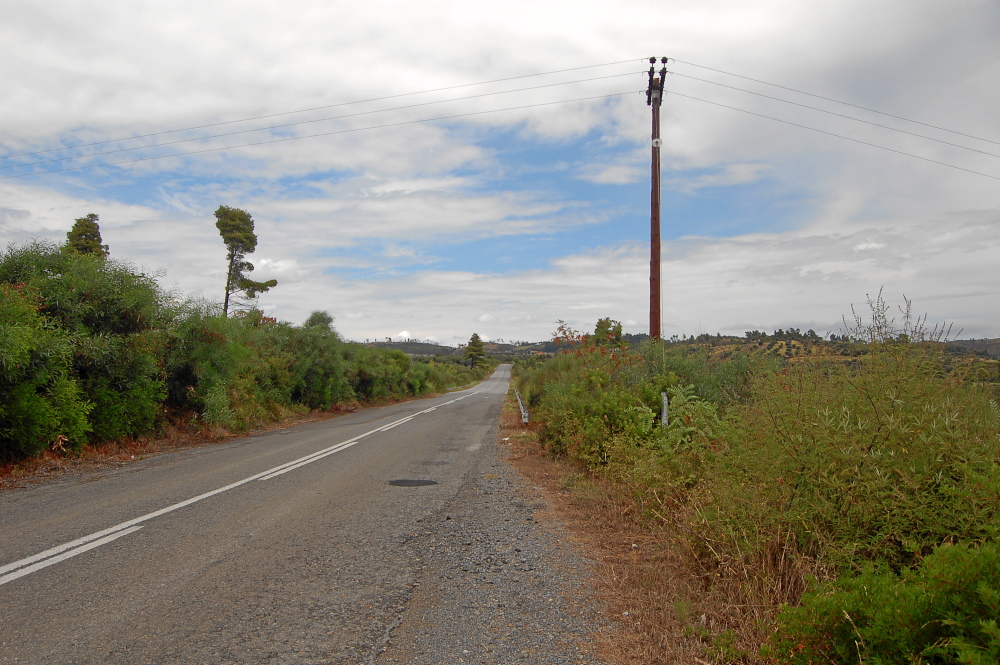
(756, 281)
(727, 175)
(777, 225)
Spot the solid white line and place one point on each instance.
(66, 555)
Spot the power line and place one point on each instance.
(839, 115)
(309, 136)
(837, 101)
(320, 108)
(305, 122)
(4, 226)
(839, 136)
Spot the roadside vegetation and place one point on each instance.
(93, 350)
(806, 501)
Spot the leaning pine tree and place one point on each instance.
(236, 228)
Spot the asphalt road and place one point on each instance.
(391, 534)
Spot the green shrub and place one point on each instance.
(772, 471)
(943, 611)
(40, 403)
(235, 372)
(318, 369)
(92, 348)
(110, 313)
(881, 461)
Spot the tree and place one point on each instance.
(608, 332)
(319, 319)
(236, 228)
(85, 237)
(474, 350)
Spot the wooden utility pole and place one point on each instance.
(654, 97)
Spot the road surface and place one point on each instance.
(389, 535)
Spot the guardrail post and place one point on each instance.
(520, 404)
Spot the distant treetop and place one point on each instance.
(85, 237)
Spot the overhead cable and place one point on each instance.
(839, 115)
(320, 108)
(309, 136)
(306, 122)
(839, 136)
(838, 101)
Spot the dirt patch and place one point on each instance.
(639, 580)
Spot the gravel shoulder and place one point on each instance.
(497, 583)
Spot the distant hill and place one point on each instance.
(987, 348)
(414, 348)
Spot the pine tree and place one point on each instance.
(85, 237)
(474, 350)
(236, 228)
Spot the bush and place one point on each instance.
(234, 372)
(40, 403)
(319, 367)
(92, 348)
(882, 461)
(944, 611)
(868, 455)
(110, 313)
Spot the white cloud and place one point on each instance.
(389, 199)
(757, 281)
(727, 175)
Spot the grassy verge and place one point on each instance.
(787, 497)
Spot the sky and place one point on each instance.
(436, 169)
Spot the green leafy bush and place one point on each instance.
(235, 372)
(40, 403)
(319, 367)
(773, 471)
(91, 348)
(943, 611)
(110, 313)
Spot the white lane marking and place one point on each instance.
(56, 554)
(312, 458)
(397, 423)
(66, 555)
